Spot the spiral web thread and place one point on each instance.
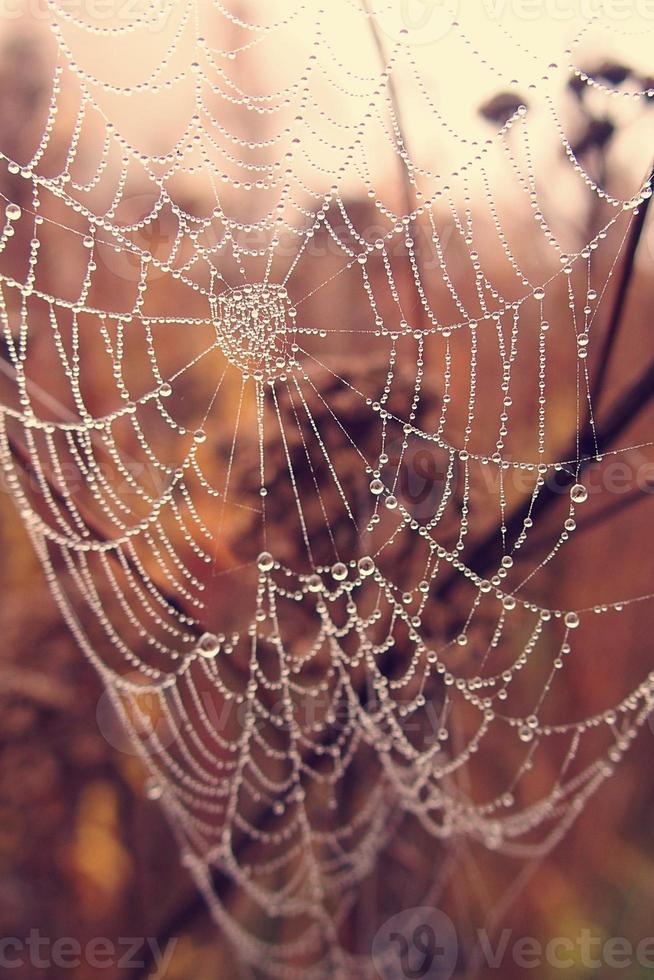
(213, 451)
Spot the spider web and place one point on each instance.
(270, 378)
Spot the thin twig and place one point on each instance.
(407, 187)
(486, 553)
(599, 517)
(613, 326)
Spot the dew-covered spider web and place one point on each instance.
(299, 414)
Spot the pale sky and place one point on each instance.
(515, 40)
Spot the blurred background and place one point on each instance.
(83, 852)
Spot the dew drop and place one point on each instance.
(265, 561)
(153, 790)
(208, 645)
(366, 566)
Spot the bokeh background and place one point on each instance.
(84, 853)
